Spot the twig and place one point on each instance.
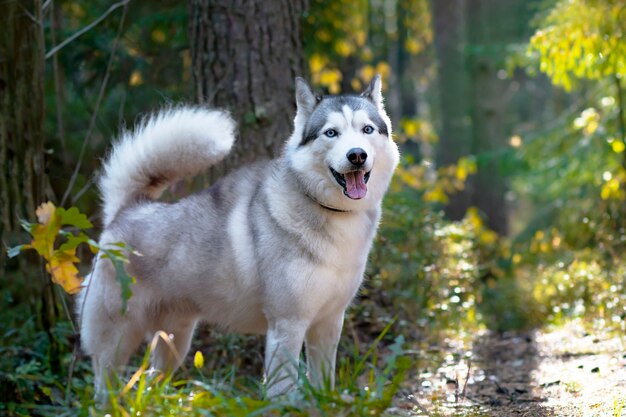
(469, 368)
(420, 406)
(58, 92)
(83, 190)
(92, 123)
(68, 313)
(86, 28)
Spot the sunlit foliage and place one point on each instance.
(582, 39)
(348, 41)
(568, 255)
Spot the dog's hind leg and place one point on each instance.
(167, 356)
(107, 335)
(322, 339)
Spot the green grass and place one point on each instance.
(367, 380)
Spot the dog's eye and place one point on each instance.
(368, 129)
(331, 133)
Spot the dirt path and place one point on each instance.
(563, 372)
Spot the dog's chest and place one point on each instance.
(343, 259)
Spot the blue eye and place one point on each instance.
(331, 133)
(368, 129)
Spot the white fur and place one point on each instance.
(174, 143)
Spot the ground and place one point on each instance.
(565, 371)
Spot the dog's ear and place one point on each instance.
(306, 100)
(373, 91)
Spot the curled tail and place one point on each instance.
(165, 147)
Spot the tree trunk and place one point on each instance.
(22, 175)
(245, 56)
(486, 55)
(455, 138)
(492, 26)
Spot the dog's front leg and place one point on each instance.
(321, 350)
(282, 354)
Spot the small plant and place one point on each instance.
(618, 407)
(61, 259)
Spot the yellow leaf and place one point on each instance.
(413, 46)
(63, 271)
(135, 78)
(158, 36)
(198, 360)
(367, 72)
(591, 127)
(45, 233)
(384, 69)
(618, 146)
(461, 173)
(316, 63)
(488, 237)
(330, 78)
(436, 195)
(343, 48)
(410, 127)
(474, 218)
(360, 37)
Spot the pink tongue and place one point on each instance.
(355, 185)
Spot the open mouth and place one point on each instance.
(353, 183)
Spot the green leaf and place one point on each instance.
(125, 281)
(119, 259)
(15, 250)
(28, 226)
(73, 241)
(73, 217)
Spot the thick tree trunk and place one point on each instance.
(492, 26)
(245, 56)
(455, 139)
(22, 175)
(486, 23)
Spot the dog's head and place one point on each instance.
(341, 148)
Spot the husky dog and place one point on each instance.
(278, 247)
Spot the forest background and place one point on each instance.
(506, 214)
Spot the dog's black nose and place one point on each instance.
(357, 156)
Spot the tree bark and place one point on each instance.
(455, 139)
(22, 176)
(245, 56)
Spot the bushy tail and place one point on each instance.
(164, 148)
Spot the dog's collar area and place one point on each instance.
(336, 210)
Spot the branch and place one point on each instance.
(86, 28)
(92, 123)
